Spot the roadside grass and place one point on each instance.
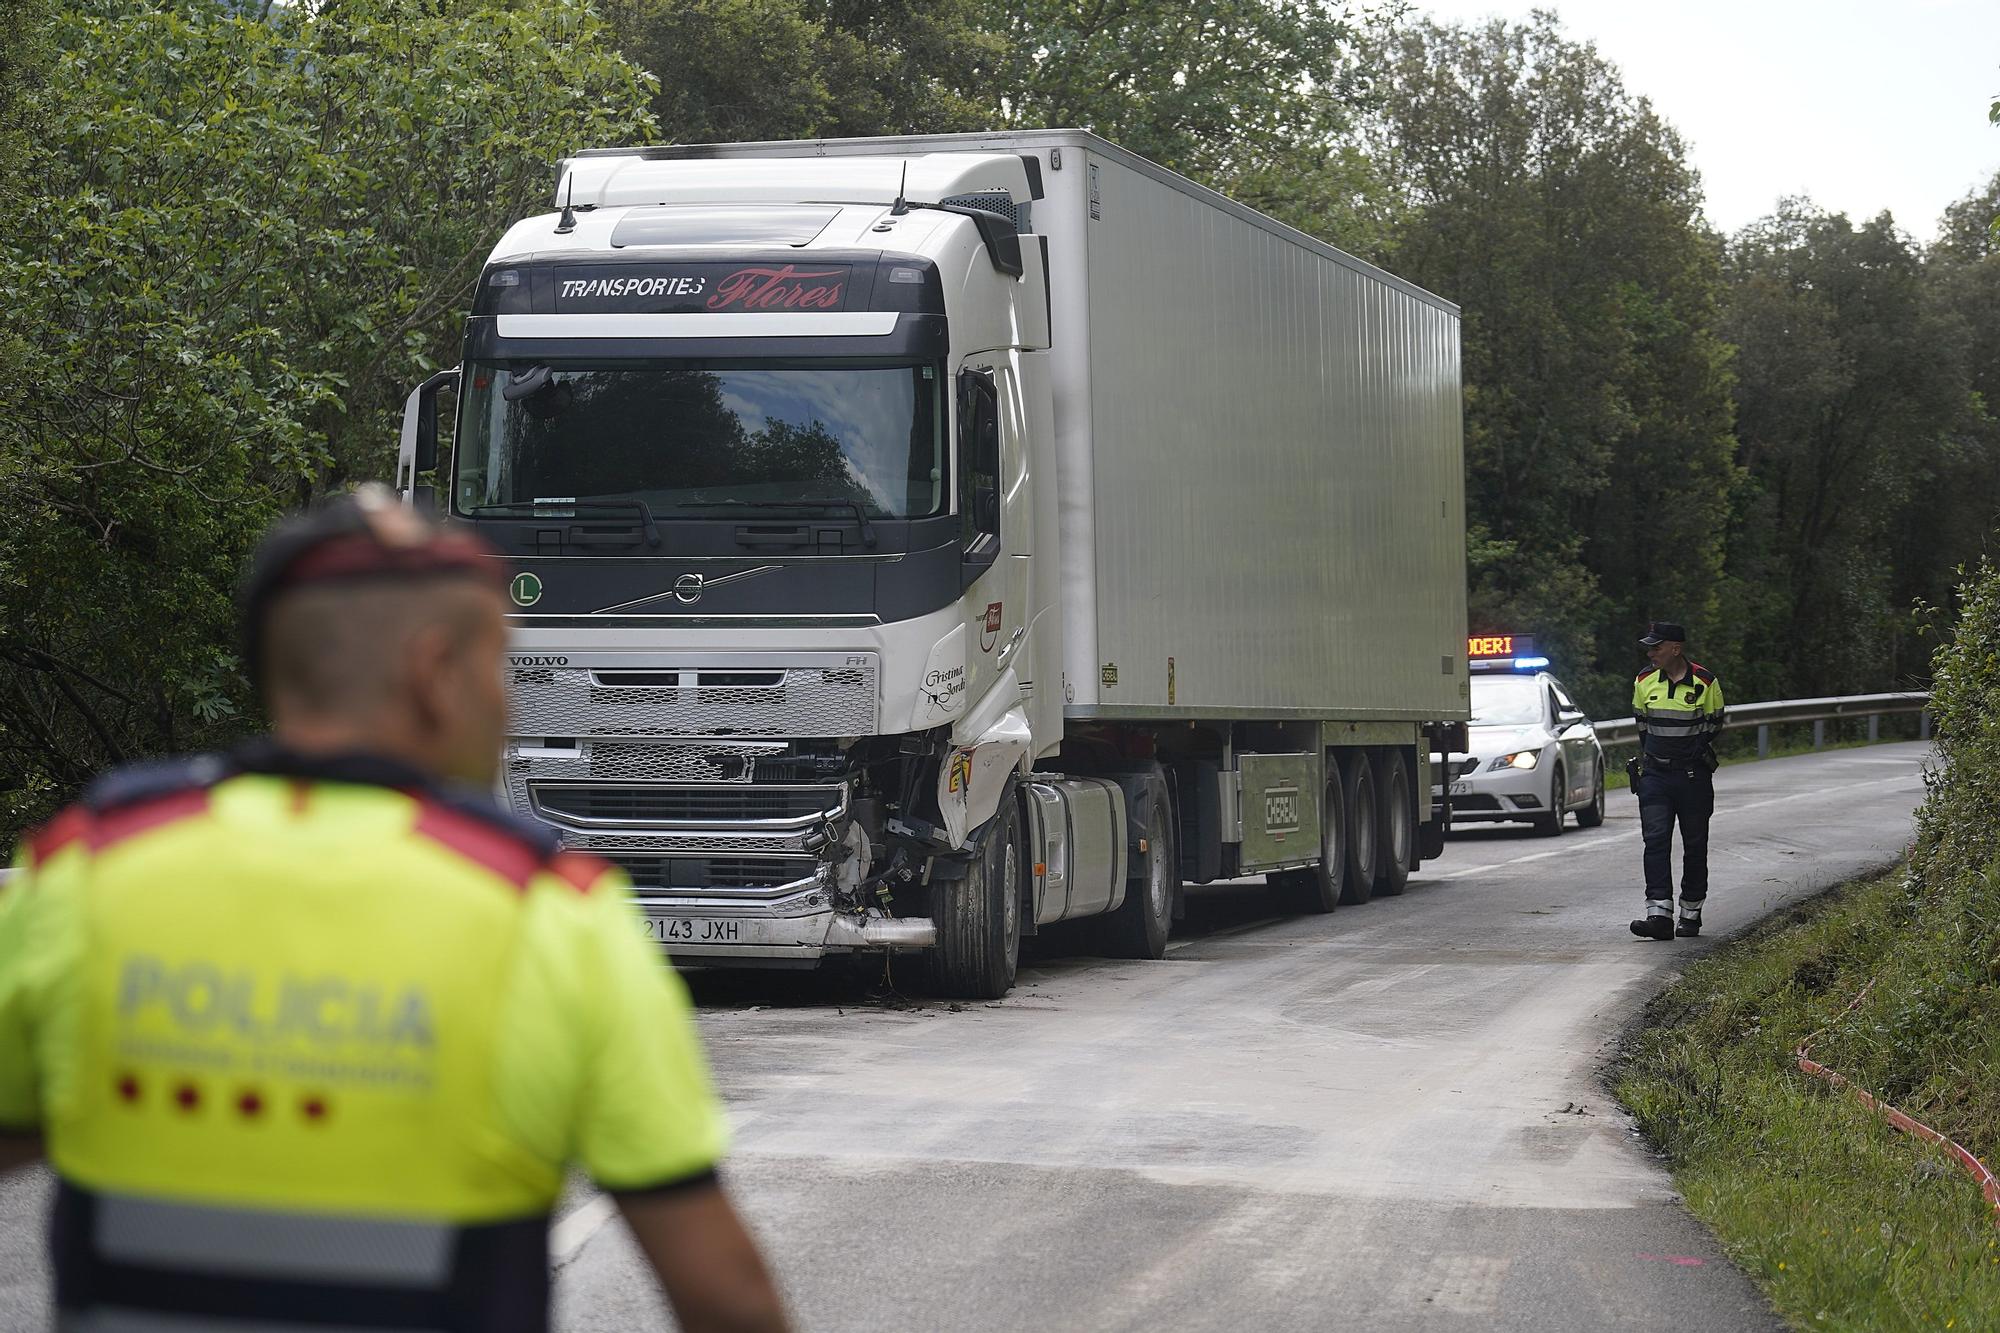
(1846, 1223)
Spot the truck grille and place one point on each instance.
(636, 761)
(746, 876)
(792, 702)
(691, 806)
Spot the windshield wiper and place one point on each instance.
(539, 508)
(828, 502)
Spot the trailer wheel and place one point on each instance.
(979, 916)
(1139, 928)
(1398, 833)
(1316, 889)
(1363, 828)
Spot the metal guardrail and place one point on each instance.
(1764, 716)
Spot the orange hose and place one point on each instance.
(1979, 1171)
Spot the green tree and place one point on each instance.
(1256, 98)
(744, 70)
(1560, 213)
(252, 240)
(1853, 401)
(1210, 90)
(25, 55)
(1954, 523)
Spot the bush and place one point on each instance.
(1958, 828)
(251, 234)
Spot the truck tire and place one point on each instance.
(1551, 825)
(1397, 840)
(1316, 889)
(1592, 815)
(1363, 828)
(978, 916)
(1139, 928)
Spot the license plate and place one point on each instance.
(1461, 789)
(693, 930)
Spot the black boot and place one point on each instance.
(1654, 928)
(1690, 922)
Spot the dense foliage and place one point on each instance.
(236, 231)
(1559, 212)
(249, 235)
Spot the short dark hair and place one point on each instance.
(359, 539)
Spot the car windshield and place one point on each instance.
(688, 437)
(1506, 701)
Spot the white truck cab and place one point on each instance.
(918, 542)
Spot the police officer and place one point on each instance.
(310, 1031)
(1678, 707)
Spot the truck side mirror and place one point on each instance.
(419, 451)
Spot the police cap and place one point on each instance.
(1663, 631)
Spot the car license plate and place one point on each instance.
(693, 930)
(1461, 789)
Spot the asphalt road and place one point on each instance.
(1390, 1118)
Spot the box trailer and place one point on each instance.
(919, 542)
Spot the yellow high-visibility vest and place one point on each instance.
(1677, 719)
(270, 1005)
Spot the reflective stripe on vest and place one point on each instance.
(1676, 724)
(295, 1246)
(149, 1321)
(125, 1263)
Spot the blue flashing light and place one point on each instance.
(1530, 663)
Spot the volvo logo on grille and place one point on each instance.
(687, 589)
(537, 661)
(690, 587)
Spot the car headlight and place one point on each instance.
(1518, 759)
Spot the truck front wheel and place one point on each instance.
(978, 916)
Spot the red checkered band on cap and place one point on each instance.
(364, 536)
(354, 555)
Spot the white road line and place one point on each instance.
(1576, 844)
(1823, 791)
(1258, 924)
(1569, 845)
(568, 1237)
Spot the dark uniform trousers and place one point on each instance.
(1667, 795)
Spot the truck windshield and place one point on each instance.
(690, 437)
(1506, 701)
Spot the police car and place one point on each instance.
(1533, 756)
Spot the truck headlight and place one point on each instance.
(1518, 759)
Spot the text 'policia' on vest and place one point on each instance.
(311, 1031)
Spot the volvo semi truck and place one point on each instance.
(916, 543)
